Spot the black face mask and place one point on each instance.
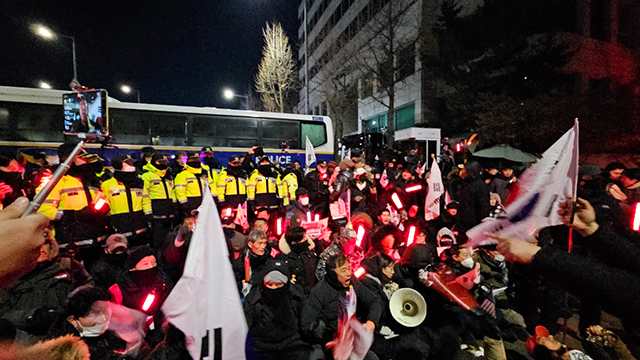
(117, 259)
(145, 278)
(211, 161)
(228, 232)
(274, 296)
(161, 166)
(266, 170)
(194, 164)
(130, 179)
(97, 166)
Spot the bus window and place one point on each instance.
(224, 131)
(167, 129)
(33, 122)
(316, 133)
(276, 131)
(129, 126)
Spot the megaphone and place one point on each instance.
(408, 307)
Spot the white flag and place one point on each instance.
(205, 302)
(384, 180)
(347, 155)
(436, 189)
(310, 157)
(543, 187)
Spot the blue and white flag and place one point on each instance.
(542, 188)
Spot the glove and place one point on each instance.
(149, 219)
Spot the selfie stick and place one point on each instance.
(60, 172)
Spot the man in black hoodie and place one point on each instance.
(273, 311)
(105, 272)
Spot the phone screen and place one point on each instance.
(86, 113)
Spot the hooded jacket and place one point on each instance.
(302, 265)
(161, 201)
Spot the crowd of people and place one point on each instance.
(120, 237)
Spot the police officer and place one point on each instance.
(317, 184)
(232, 184)
(161, 202)
(211, 168)
(77, 209)
(289, 183)
(189, 185)
(125, 194)
(264, 188)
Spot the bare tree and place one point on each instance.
(337, 84)
(276, 72)
(388, 52)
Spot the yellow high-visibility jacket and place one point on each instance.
(67, 197)
(212, 176)
(290, 185)
(188, 186)
(232, 190)
(127, 215)
(161, 201)
(265, 191)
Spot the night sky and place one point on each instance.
(175, 52)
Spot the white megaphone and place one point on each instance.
(408, 307)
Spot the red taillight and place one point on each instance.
(359, 272)
(412, 235)
(396, 200)
(414, 188)
(636, 218)
(148, 302)
(99, 204)
(360, 235)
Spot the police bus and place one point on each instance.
(31, 121)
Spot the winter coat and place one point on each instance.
(341, 184)
(46, 287)
(268, 331)
(259, 265)
(611, 280)
(367, 197)
(473, 204)
(303, 267)
(134, 295)
(320, 314)
(107, 346)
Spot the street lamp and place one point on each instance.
(45, 85)
(128, 90)
(47, 34)
(229, 95)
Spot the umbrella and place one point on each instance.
(506, 152)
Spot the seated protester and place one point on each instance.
(175, 249)
(379, 272)
(461, 260)
(236, 241)
(257, 255)
(298, 208)
(106, 270)
(542, 346)
(445, 238)
(493, 270)
(386, 241)
(142, 276)
(417, 257)
(495, 205)
(446, 219)
(299, 255)
(273, 310)
(173, 347)
(86, 314)
(345, 244)
(319, 320)
(383, 219)
(28, 302)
